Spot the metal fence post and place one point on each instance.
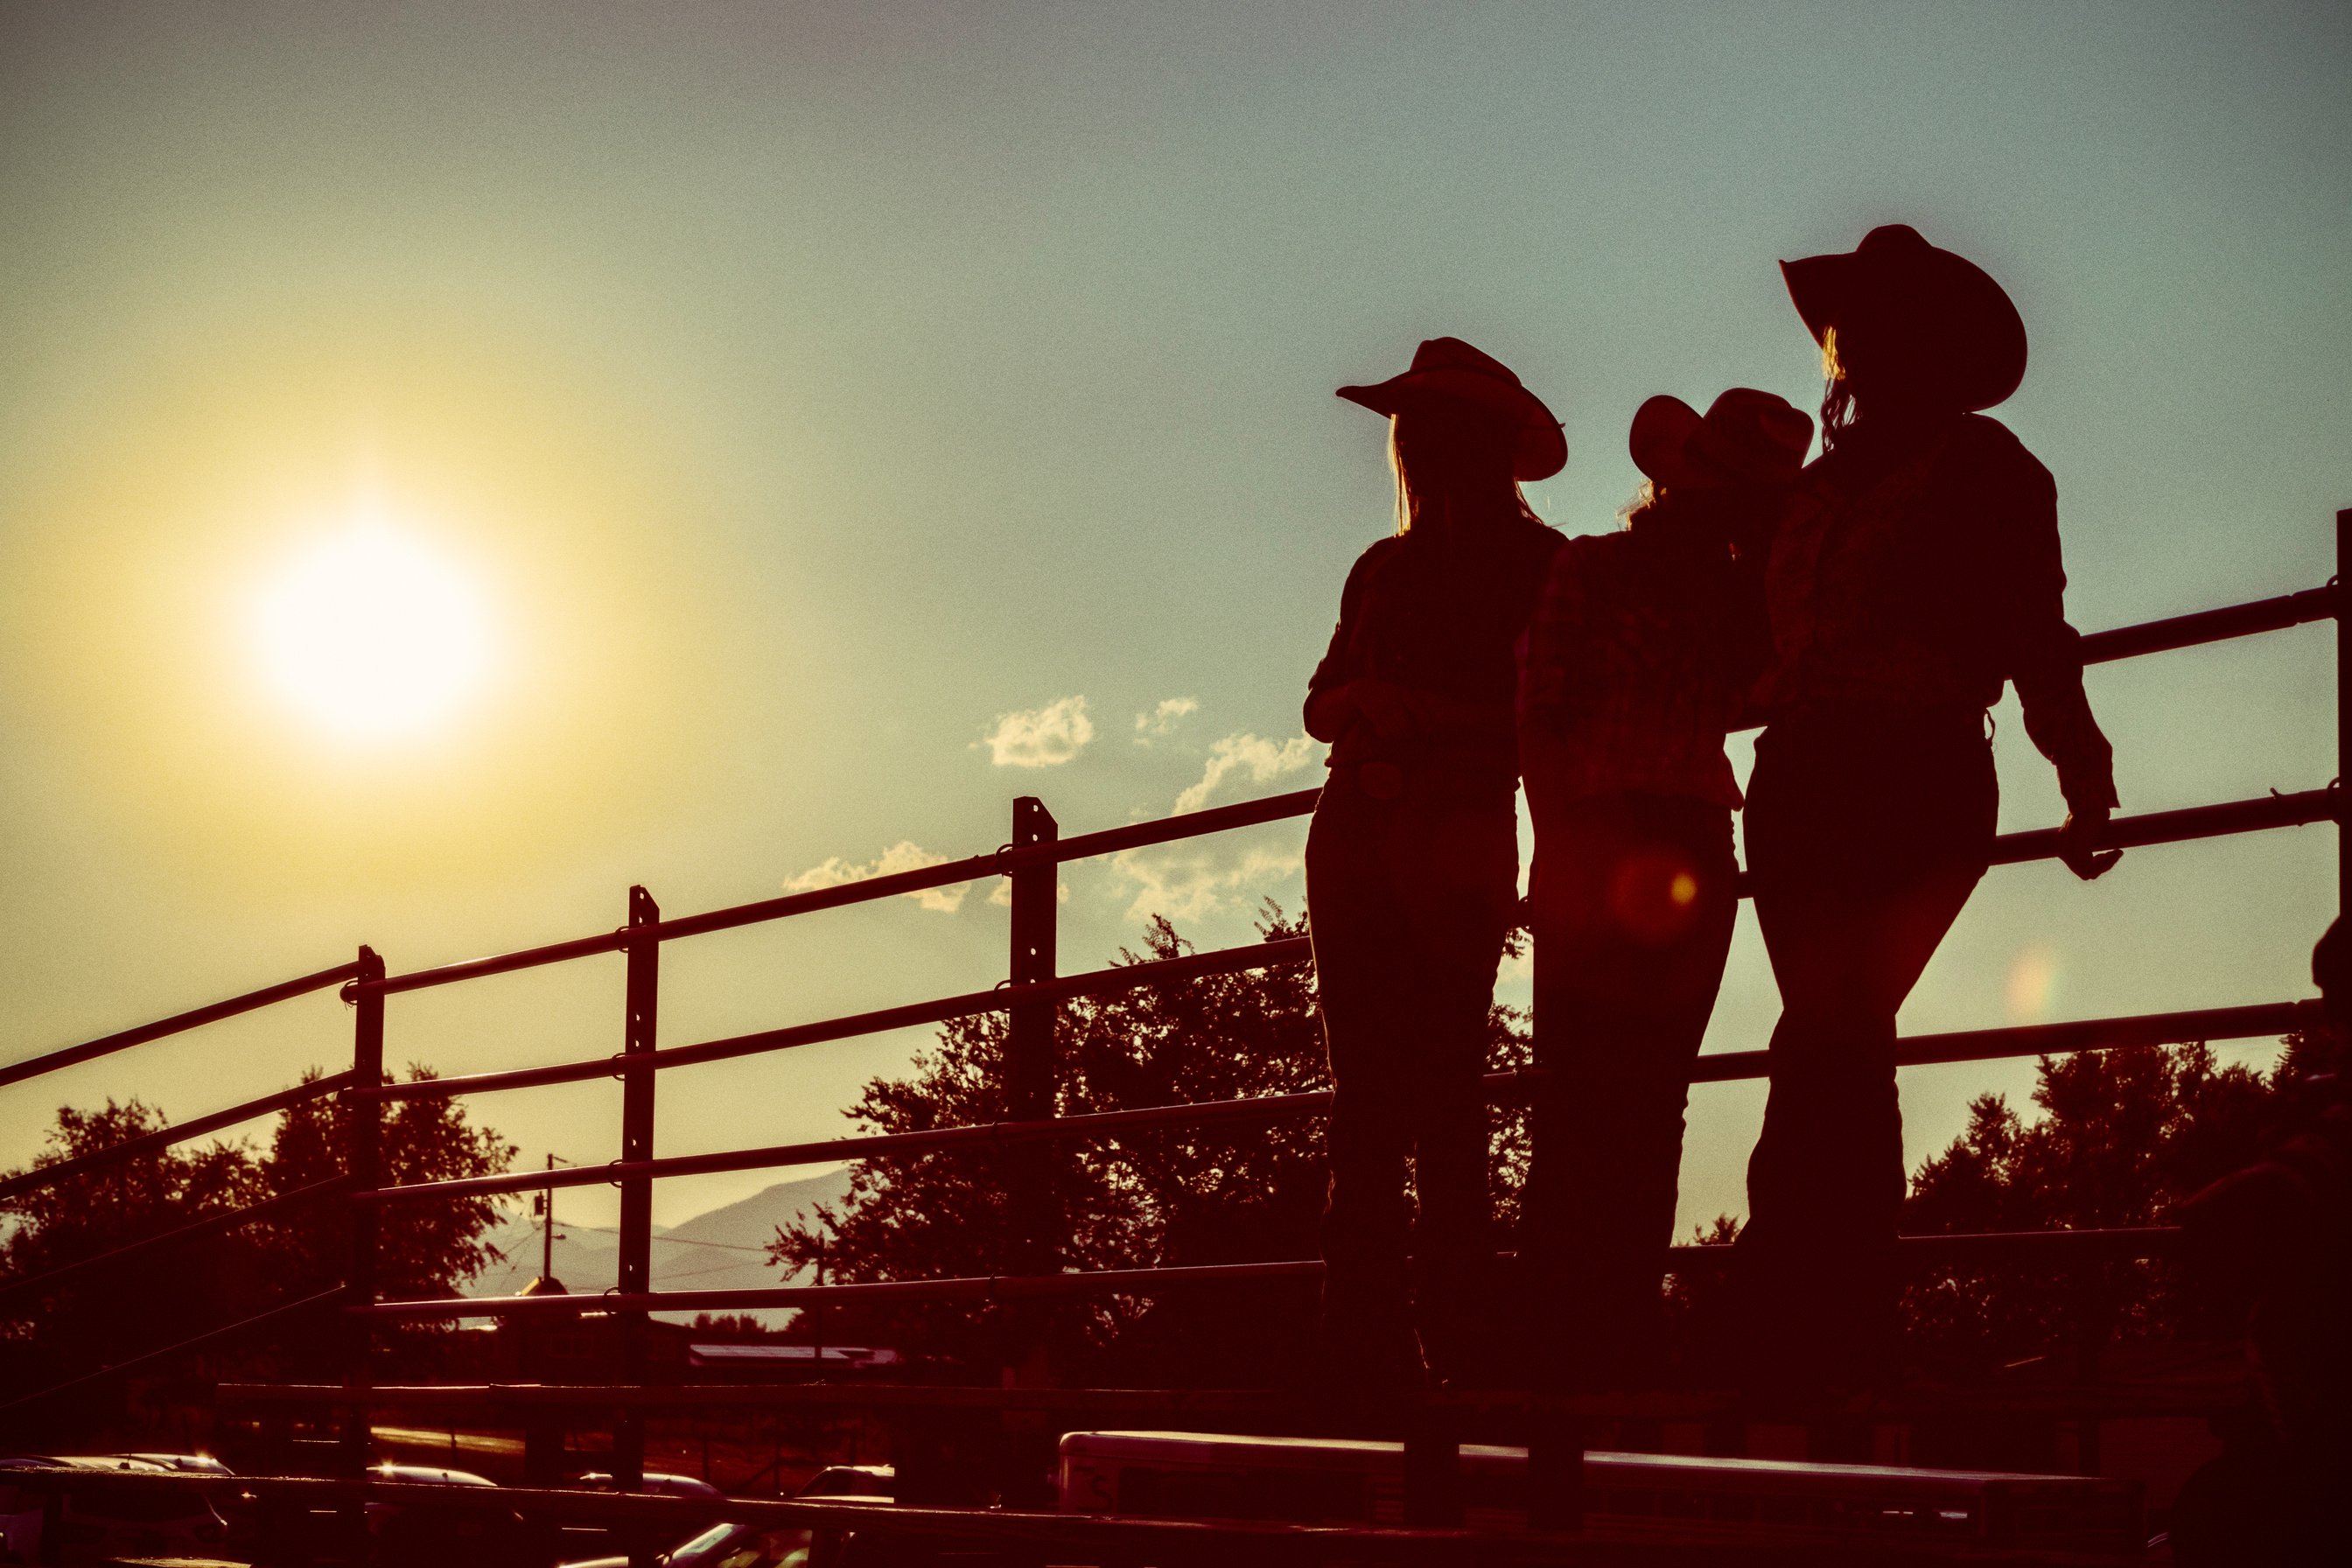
(1033, 1196)
(642, 1009)
(1030, 1071)
(1030, 1064)
(363, 1164)
(2342, 711)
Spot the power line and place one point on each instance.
(673, 1240)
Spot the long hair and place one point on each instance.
(1453, 466)
(1643, 503)
(1837, 394)
(1895, 372)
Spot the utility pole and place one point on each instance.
(548, 1238)
(543, 1438)
(817, 1313)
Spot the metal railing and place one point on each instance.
(936, 1533)
(1031, 998)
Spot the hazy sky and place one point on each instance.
(797, 391)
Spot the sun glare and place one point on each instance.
(371, 635)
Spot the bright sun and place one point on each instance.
(371, 635)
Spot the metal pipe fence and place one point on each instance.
(2266, 1019)
(949, 1532)
(1033, 996)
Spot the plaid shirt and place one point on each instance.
(1636, 666)
(1440, 616)
(1929, 582)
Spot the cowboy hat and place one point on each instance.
(1746, 438)
(1944, 308)
(1450, 369)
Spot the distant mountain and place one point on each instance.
(723, 1249)
(754, 1222)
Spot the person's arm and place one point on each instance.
(1329, 712)
(1548, 688)
(2046, 663)
(1747, 620)
(1331, 709)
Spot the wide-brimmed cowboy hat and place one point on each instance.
(1452, 370)
(1940, 306)
(1744, 437)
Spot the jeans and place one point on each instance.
(1634, 898)
(1408, 904)
(1865, 836)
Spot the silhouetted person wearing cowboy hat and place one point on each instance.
(1919, 572)
(1637, 663)
(1412, 857)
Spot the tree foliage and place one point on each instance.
(2123, 1137)
(422, 1248)
(2114, 1139)
(101, 1315)
(1247, 1191)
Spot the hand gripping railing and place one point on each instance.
(1030, 999)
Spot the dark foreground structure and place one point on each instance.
(1439, 1492)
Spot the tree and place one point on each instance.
(2125, 1135)
(425, 1248)
(102, 1315)
(2122, 1136)
(1153, 1198)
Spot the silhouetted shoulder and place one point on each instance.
(1541, 539)
(1377, 550)
(1988, 446)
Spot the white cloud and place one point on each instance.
(1265, 761)
(1041, 737)
(1163, 719)
(1188, 880)
(1001, 895)
(903, 856)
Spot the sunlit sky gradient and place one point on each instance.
(805, 390)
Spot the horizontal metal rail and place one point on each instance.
(2107, 1400)
(2150, 828)
(1163, 830)
(2182, 825)
(2122, 642)
(865, 890)
(901, 1145)
(2246, 1022)
(2213, 626)
(1096, 983)
(896, 884)
(980, 1288)
(285, 990)
(213, 1336)
(211, 1224)
(164, 1137)
(974, 1287)
(1094, 1537)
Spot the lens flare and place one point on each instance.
(371, 635)
(2032, 984)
